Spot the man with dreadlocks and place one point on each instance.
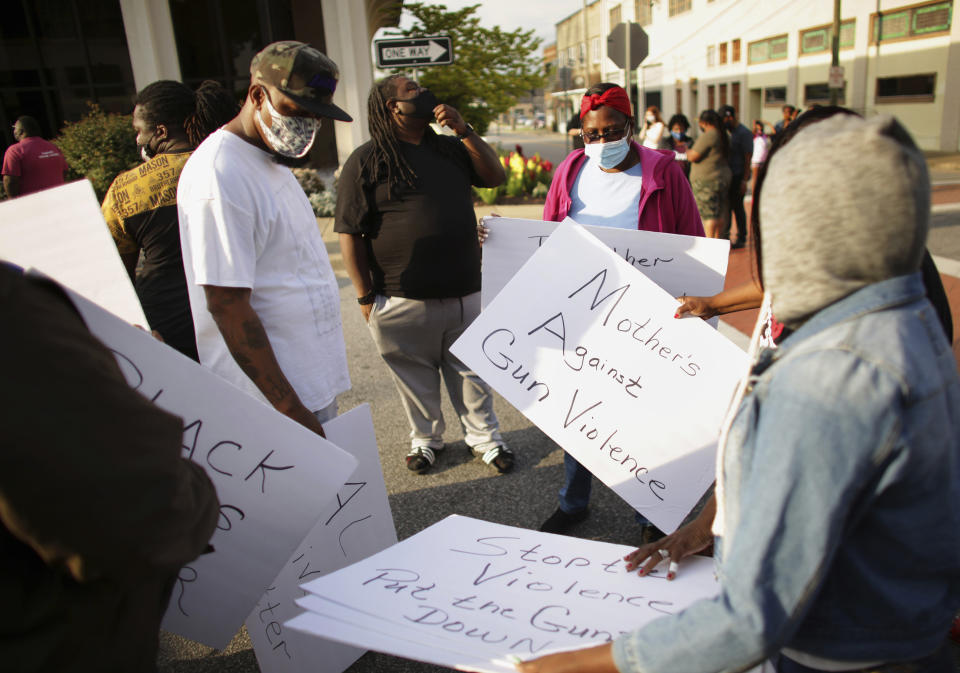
(265, 301)
(408, 238)
(140, 207)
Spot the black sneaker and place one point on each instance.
(500, 457)
(560, 522)
(421, 459)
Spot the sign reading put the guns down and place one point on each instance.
(471, 594)
(273, 477)
(588, 349)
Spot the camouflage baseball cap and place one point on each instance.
(301, 73)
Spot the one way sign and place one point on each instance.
(419, 51)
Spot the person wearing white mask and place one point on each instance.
(614, 182)
(653, 129)
(264, 299)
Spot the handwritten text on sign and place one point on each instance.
(354, 526)
(588, 349)
(469, 591)
(273, 477)
(679, 264)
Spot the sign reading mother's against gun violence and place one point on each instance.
(273, 477)
(471, 595)
(588, 349)
(679, 264)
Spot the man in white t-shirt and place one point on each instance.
(265, 301)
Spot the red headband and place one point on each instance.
(615, 98)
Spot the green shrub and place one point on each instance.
(489, 195)
(98, 147)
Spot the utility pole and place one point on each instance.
(835, 44)
(626, 74)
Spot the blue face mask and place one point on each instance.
(676, 135)
(608, 154)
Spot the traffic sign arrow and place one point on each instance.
(433, 50)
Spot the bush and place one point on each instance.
(322, 200)
(98, 147)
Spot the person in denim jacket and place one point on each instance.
(838, 519)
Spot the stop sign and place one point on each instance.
(617, 45)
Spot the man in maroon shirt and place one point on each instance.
(32, 163)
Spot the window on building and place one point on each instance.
(770, 49)
(723, 53)
(907, 23)
(615, 16)
(595, 49)
(216, 39)
(679, 6)
(711, 55)
(723, 94)
(571, 55)
(583, 53)
(906, 89)
(735, 95)
(642, 10)
(819, 94)
(56, 56)
(775, 95)
(711, 96)
(819, 39)
(679, 101)
(735, 49)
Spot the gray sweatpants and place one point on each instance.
(414, 338)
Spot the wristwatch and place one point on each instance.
(468, 132)
(368, 298)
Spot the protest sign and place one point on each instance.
(61, 232)
(690, 265)
(588, 349)
(273, 477)
(471, 594)
(354, 526)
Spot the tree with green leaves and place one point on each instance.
(491, 67)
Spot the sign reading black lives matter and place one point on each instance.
(273, 477)
(587, 347)
(417, 51)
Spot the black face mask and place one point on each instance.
(423, 104)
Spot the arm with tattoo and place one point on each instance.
(249, 345)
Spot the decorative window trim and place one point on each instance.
(911, 14)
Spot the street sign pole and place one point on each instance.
(626, 70)
(835, 44)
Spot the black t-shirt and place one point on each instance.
(140, 209)
(422, 242)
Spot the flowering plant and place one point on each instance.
(525, 177)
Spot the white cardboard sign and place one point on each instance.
(588, 349)
(355, 525)
(471, 594)
(61, 232)
(273, 477)
(679, 264)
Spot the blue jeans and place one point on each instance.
(575, 494)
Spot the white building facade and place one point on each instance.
(898, 58)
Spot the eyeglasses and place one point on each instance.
(607, 136)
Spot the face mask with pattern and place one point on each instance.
(288, 136)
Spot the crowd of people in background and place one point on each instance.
(839, 458)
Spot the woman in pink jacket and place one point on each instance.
(614, 182)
